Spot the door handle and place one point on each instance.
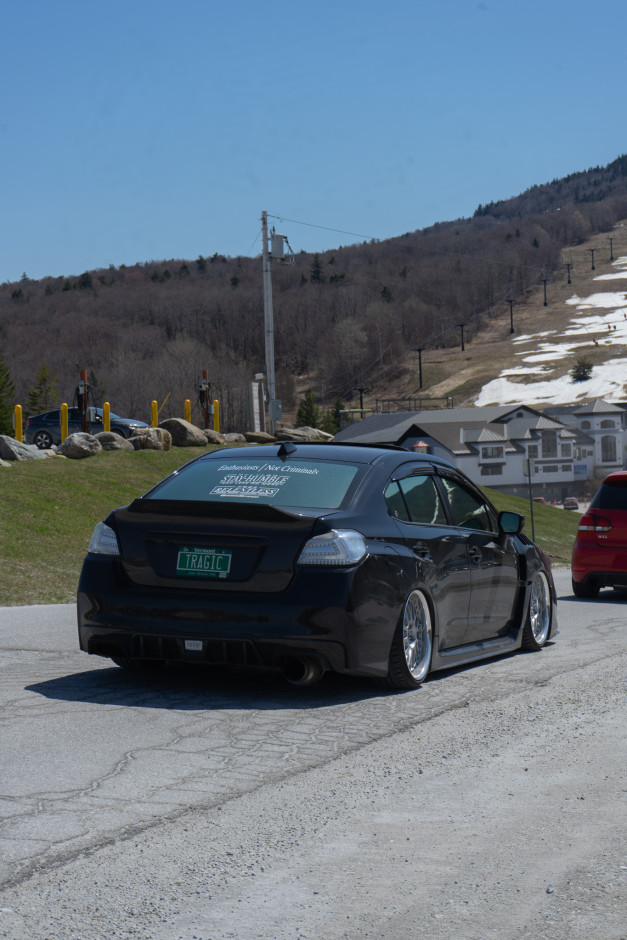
(475, 554)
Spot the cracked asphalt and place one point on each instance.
(188, 805)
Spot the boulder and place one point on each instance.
(79, 445)
(234, 438)
(183, 433)
(150, 439)
(302, 434)
(259, 437)
(109, 440)
(213, 437)
(12, 449)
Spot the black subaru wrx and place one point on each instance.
(363, 560)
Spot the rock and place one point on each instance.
(302, 434)
(213, 437)
(151, 439)
(12, 449)
(79, 445)
(183, 433)
(234, 438)
(109, 440)
(259, 437)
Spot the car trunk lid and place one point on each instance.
(210, 546)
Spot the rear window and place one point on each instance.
(611, 496)
(310, 484)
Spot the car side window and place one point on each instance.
(421, 499)
(395, 502)
(466, 509)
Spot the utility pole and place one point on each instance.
(268, 321)
(611, 249)
(361, 401)
(592, 251)
(461, 326)
(569, 265)
(419, 350)
(544, 280)
(511, 315)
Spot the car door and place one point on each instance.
(492, 558)
(416, 505)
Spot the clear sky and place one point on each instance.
(136, 131)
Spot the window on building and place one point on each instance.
(532, 450)
(566, 468)
(607, 423)
(585, 425)
(565, 450)
(608, 448)
(549, 443)
(550, 468)
(492, 470)
(487, 452)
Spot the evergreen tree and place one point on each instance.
(581, 371)
(44, 394)
(7, 399)
(308, 414)
(316, 271)
(331, 423)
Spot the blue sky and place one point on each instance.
(136, 131)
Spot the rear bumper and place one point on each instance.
(348, 634)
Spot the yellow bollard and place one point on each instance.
(18, 424)
(106, 416)
(64, 422)
(216, 415)
(154, 413)
(188, 410)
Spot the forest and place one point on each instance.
(148, 330)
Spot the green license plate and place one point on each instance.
(203, 562)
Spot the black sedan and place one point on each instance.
(44, 429)
(363, 560)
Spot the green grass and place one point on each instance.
(48, 509)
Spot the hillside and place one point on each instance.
(344, 320)
(546, 343)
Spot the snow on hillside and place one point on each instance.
(607, 326)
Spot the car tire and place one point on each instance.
(42, 440)
(412, 644)
(138, 665)
(588, 588)
(538, 620)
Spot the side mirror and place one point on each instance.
(511, 523)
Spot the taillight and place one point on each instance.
(594, 524)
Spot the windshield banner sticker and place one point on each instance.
(242, 483)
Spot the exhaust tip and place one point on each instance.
(302, 671)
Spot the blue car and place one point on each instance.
(44, 430)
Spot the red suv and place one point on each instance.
(600, 549)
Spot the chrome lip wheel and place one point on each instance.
(417, 635)
(539, 609)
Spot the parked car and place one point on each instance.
(45, 429)
(362, 560)
(570, 503)
(540, 499)
(599, 556)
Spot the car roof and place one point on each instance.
(389, 455)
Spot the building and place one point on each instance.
(509, 447)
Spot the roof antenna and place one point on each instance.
(286, 448)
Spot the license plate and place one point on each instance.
(193, 562)
(195, 645)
